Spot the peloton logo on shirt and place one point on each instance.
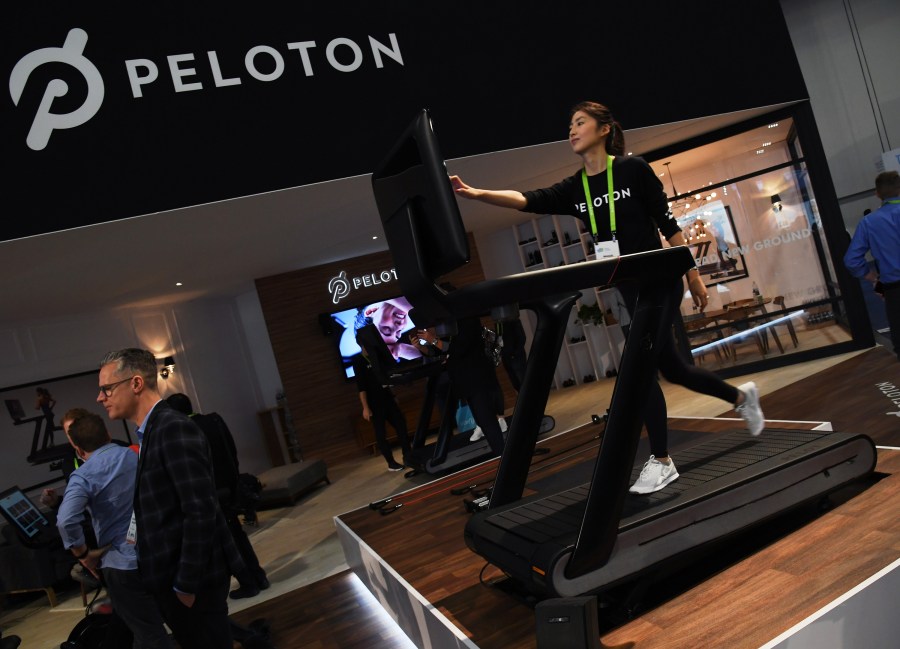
(261, 62)
(340, 286)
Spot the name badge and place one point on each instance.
(131, 536)
(606, 249)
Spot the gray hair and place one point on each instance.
(135, 361)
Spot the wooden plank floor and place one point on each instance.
(334, 613)
(851, 395)
(758, 598)
(423, 542)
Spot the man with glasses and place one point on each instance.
(185, 551)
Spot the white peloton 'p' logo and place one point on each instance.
(339, 287)
(44, 121)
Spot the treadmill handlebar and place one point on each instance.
(642, 269)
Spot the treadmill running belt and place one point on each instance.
(560, 515)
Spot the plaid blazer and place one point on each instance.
(183, 540)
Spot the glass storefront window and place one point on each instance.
(752, 222)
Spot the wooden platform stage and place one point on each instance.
(743, 593)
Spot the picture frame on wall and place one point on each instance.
(714, 242)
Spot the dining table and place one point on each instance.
(736, 313)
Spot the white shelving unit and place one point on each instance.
(590, 350)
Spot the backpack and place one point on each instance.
(99, 631)
(248, 490)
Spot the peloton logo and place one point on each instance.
(45, 121)
(187, 71)
(892, 392)
(339, 286)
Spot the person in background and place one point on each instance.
(186, 554)
(640, 213)
(371, 369)
(512, 354)
(52, 499)
(473, 376)
(45, 403)
(226, 470)
(103, 487)
(879, 232)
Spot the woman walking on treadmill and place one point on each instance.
(639, 214)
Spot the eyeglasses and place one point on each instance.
(107, 389)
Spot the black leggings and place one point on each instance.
(676, 370)
(389, 411)
(484, 410)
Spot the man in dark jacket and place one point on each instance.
(225, 467)
(186, 555)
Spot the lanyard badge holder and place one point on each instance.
(603, 249)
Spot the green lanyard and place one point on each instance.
(609, 198)
(893, 201)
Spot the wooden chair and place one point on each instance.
(779, 302)
(695, 331)
(741, 330)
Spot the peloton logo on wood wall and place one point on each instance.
(262, 62)
(340, 286)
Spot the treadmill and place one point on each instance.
(563, 544)
(47, 452)
(440, 456)
(585, 540)
(443, 455)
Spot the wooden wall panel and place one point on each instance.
(324, 406)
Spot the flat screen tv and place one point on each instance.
(390, 317)
(421, 218)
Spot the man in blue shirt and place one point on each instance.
(103, 486)
(880, 233)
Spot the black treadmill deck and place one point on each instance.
(723, 481)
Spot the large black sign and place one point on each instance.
(115, 112)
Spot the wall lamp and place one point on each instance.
(776, 203)
(168, 366)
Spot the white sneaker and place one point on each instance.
(750, 410)
(654, 476)
(476, 434)
(503, 426)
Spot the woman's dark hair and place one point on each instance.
(615, 141)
